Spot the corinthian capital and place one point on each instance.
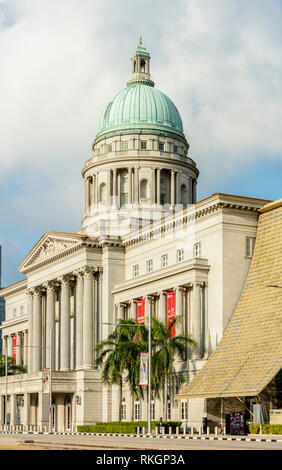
(50, 286)
(65, 280)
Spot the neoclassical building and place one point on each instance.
(144, 237)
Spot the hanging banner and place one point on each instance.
(46, 381)
(140, 313)
(15, 347)
(170, 311)
(144, 362)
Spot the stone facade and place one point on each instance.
(143, 235)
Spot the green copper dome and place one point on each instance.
(140, 107)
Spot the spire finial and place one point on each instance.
(140, 40)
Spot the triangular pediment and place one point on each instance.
(51, 246)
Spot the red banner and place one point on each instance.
(170, 311)
(15, 347)
(140, 313)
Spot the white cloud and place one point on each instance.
(62, 60)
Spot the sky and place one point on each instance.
(61, 61)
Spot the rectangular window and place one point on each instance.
(184, 409)
(110, 148)
(161, 145)
(137, 411)
(197, 250)
(250, 246)
(164, 261)
(125, 146)
(180, 255)
(143, 144)
(149, 266)
(136, 270)
(175, 149)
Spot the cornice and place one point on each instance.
(199, 264)
(191, 214)
(124, 158)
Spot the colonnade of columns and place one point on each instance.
(14, 346)
(61, 320)
(112, 193)
(190, 303)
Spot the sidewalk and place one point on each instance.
(219, 437)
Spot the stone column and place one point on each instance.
(179, 309)
(153, 187)
(26, 409)
(120, 311)
(37, 331)
(65, 323)
(148, 301)
(196, 316)
(130, 193)
(118, 191)
(88, 319)
(2, 414)
(94, 192)
(177, 189)
(162, 306)
(86, 194)
(50, 323)
(18, 349)
(5, 345)
(133, 311)
(114, 203)
(97, 190)
(109, 174)
(172, 187)
(29, 292)
(13, 409)
(158, 186)
(79, 319)
(136, 184)
(25, 351)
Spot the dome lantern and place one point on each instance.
(140, 66)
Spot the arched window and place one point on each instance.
(142, 65)
(144, 189)
(68, 413)
(102, 193)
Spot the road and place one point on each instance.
(87, 442)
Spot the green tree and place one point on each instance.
(12, 368)
(165, 349)
(119, 356)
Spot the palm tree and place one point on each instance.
(120, 354)
(165, 348)
(12, 368)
